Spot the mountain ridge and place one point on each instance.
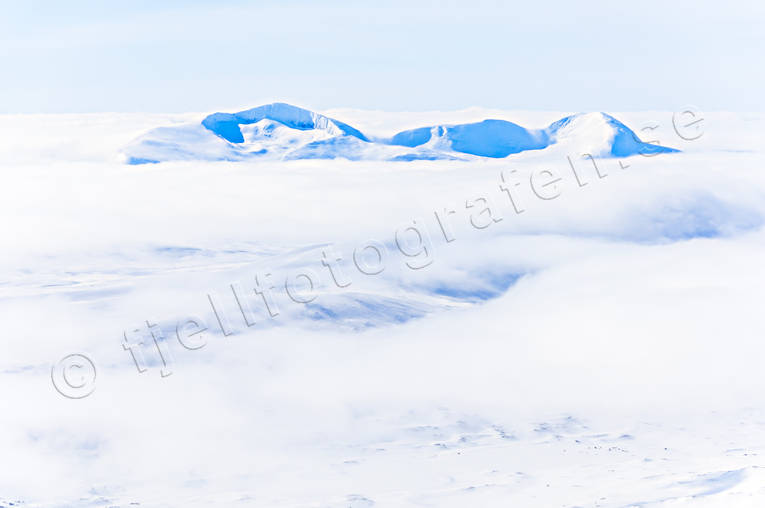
(285, 132)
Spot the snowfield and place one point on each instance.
(357, 309)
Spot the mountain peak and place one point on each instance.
(600, 134)
(227, 125)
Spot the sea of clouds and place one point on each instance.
(593, 341)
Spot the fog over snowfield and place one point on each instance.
(362, 308)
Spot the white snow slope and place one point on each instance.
(539, 329)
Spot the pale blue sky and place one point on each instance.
(85, 56)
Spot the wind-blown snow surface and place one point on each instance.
(596, 341)
(282, 131)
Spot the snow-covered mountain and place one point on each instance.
(597, 134)
(228, 126)
(284, 132)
